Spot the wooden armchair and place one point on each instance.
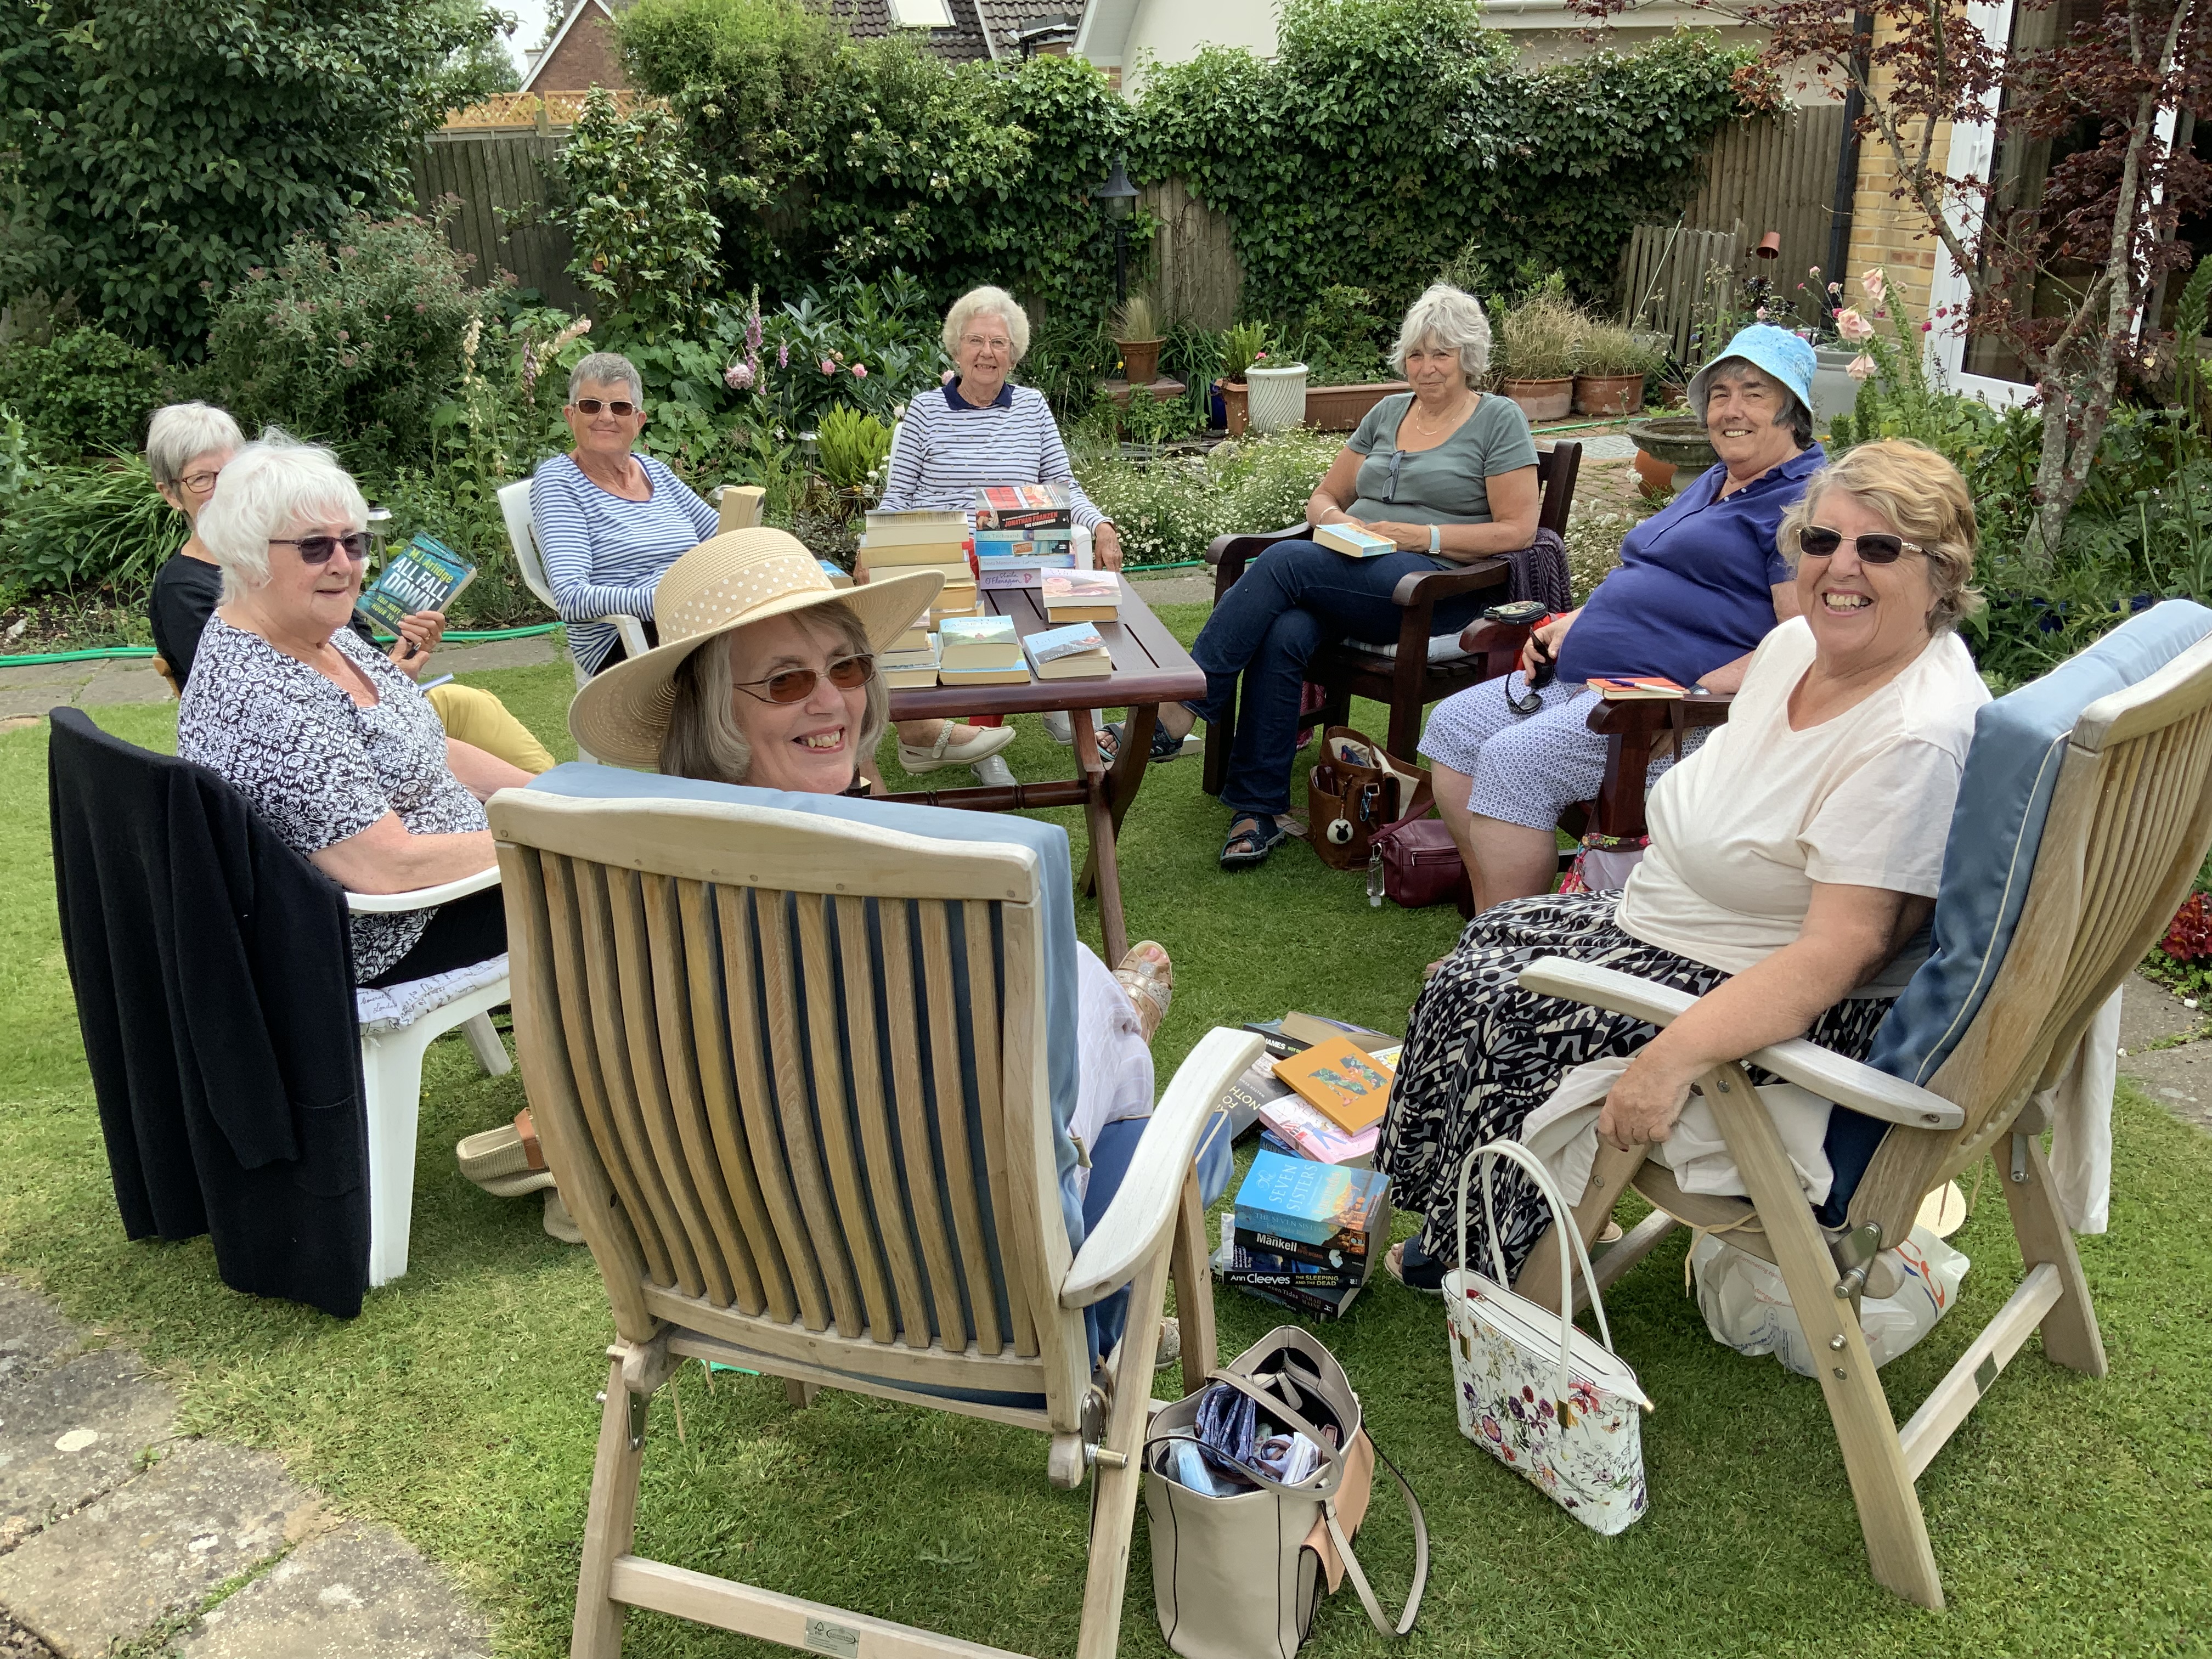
(875, 1217)
(2128, 820)
(1423, 666)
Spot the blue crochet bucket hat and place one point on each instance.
(1775, 350)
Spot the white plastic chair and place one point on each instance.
(514, 507)
(398, 1025)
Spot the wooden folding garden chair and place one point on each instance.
(862, 1213)
(2129, 817)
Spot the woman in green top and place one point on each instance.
(1447, 473)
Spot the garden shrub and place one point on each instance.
(634, 207)
(1387, 134)
(1167, 510)
(88, 391)
(355, 342)
(87, 525)
(155, 150)
(856, 158)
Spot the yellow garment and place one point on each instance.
(474, 716)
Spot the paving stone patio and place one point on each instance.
(115, 1529)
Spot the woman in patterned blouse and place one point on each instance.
(336, 749)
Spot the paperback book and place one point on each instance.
(839, 577)
(1314, 1135)
(426, 574)
(1254, 1088)
(1292, 1198)
(1354, 542)
(992, 579)
(1647, 687)
(1025, 507)
(924, 525)
(1348, 1252)
(1073, 653)
(1082, 596)
(903, 670)
(1341, 1078)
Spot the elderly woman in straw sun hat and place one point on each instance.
(766, 675)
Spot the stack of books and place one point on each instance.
(836, 574)
(1072, 596)
(1306, 1236)
(1077, 652)
(929, 538)
(1288, 1120)
(979, 651)
(908, 666)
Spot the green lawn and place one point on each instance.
(2070, 1517)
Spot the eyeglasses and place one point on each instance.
(619, 407)
(199, 483)
(995, 342)
(1818, 542)
(797, 684)
(318, 550)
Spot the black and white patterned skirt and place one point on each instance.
(1482, 1054)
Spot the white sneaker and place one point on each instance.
(987, 741)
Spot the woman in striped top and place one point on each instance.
(609, 521)
(979, 430)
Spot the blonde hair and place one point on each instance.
(703, 739)
(270, 485)
(1918, 494)
(986, 302)
(1449, 317)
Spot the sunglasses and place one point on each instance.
(318, 550)
(1818, 542)
(620, 406)
(797, 684)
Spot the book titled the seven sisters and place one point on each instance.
(426, 574)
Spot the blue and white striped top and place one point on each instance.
(604, 556)
(947, 448)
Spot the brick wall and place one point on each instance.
(1886, 231)
(586, 57)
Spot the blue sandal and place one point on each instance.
(1262, 838)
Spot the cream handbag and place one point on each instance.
(1534, 1392)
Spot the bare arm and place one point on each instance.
(1848, 933)
(1338, 488)
(483, 774)
(1729, 677)
(1514, 499)
(388, 858)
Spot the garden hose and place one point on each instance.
(119, 652)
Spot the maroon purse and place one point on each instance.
(1415, 863)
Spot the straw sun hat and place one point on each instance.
(738, 577)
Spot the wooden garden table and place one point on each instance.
(1151, 667)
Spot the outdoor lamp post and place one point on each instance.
(1117, 197)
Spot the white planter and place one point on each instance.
(1835, 391)
(1279, 396)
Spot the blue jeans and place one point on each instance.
(1109, 1162)
(1291, 601)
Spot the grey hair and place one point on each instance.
(270, 485)
(182, 432)
(607, 368)
(1450, 317)
(986, 302)
(1792, 414)
(703, 739)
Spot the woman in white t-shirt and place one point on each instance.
(1793, 866)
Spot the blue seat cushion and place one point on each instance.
(2020, 743)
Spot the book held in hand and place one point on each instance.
(1352, 540)
(426, 574)
(1342, 1080)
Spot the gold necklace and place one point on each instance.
(1428, 431)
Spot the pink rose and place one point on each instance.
(829, 367)
(738, 376)
(859, 371)
(1853, 327)
(1872, 282)
(1860, 368)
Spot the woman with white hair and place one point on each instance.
(978, 429)
(609, 520)
(336, 749)
(1447, 473)
(188, 446)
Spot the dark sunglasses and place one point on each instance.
(1818, 542)
(620, 406)
(797, 684)
(317, 550)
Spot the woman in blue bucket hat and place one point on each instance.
(1698, 585)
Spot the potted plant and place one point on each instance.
(1279, 395)
(1610, 369)
(1137, 336)
(1540, 340)
(1241, 347)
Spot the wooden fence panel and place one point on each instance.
(1663, 277)
(1199, 279)
(1776, 173)
(502, 180)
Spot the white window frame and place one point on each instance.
(905, 14)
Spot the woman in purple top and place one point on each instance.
(1700, 585)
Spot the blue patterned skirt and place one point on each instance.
(1482, 1054)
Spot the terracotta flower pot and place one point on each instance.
(1140, 360)
(1235, 407)
(1542, 400)
(1608, 394)
(1341, 408)
(1656, 476)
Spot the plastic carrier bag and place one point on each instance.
(1747, 1309)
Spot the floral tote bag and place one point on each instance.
(1546, 1401)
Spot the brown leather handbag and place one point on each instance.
(1354, 790)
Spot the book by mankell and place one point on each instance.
(426, 574)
